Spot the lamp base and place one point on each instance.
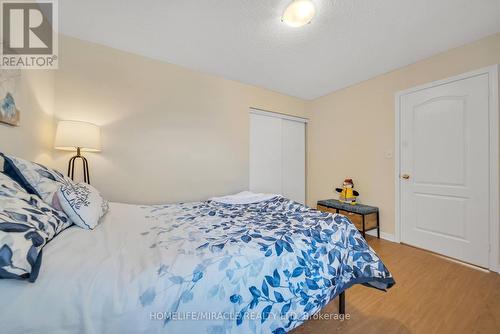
(71, 166)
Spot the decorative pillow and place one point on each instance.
(83, 204)
(35, 178)
(26, 225)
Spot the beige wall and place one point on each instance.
(33, 138)
(169, 134)
(172, 134)
(351, 130)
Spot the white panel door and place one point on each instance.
(293, 160)
(265, 154)
(445, 153)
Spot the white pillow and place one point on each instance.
(244, 197)
(83, 204)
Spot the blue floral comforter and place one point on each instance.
(255, 268)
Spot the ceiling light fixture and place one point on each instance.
(299, 13)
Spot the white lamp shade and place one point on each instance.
(299, 13)
(71, 135)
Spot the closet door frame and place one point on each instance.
(257, 111)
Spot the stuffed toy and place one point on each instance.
(347, 193)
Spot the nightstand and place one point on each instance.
(364, 217)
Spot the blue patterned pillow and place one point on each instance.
(35, 178)
(26, 225)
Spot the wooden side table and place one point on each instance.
(364, 217)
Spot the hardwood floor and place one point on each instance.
(431, 295)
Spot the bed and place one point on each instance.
(209, 267)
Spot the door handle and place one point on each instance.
(405, 176)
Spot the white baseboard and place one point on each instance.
(495, 269)
(383, 235)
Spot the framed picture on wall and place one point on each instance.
(9, 83)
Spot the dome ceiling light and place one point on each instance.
(299, 13)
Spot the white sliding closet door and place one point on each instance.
(277, 154)
(293, 164)
(265, 154)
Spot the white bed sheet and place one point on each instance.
(83, 277)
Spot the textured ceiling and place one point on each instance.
(244, 40)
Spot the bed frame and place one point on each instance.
(342, 303)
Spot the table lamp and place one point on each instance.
(78, 136)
